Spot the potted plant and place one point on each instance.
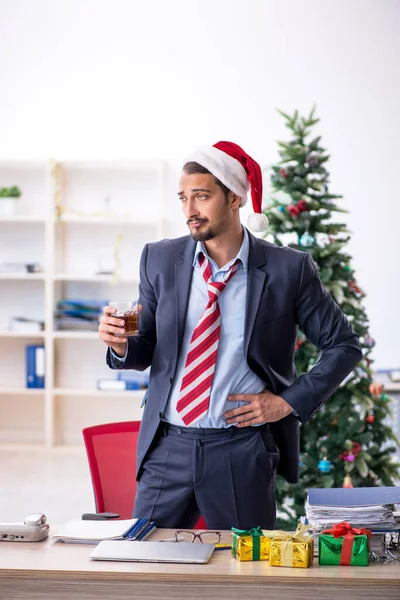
(8, 200)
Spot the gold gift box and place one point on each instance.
(289, 553)
(244, 548)
(291, 550)
(250, 544)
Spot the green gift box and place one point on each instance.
(344, 545)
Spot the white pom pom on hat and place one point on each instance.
(229, 163)
(257, 222)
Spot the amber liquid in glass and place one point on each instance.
(131, 324)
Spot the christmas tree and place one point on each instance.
(349, 442)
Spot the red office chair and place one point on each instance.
(111, 452)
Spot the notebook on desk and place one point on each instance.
(93, 532)
(157, 552)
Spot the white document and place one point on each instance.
(92, 532)
(369, 517)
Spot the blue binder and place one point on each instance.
(35, 366)
(354, 496)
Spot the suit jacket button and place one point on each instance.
(170, 380)
(160, 415)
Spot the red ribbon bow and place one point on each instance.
(348, 532)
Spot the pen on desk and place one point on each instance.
(134, 528)
(145, 532)
(134, 535)
(222, 546)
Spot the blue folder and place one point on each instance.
(363, 496)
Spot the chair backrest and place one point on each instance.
(111, 452)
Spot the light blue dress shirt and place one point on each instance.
(232, 374)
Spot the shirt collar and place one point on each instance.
(242, 255)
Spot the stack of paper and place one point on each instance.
(371, 508)
(93, 532)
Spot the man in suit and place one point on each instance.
(218, 326)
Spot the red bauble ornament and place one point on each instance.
(353, 285)
(302, 205)
(283, 173)
(293, 211)
(370, 419)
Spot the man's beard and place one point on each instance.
(203, 236)
(208, 232)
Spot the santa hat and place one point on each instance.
(239, 172)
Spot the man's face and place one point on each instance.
(204, 205)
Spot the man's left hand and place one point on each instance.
(261, 408)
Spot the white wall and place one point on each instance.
(130, 79)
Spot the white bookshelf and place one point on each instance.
(72, 218)
(21, 392)
(19, 334)
(93, 393)
(23, 276)
(22, 218)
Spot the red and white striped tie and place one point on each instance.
(194, 395)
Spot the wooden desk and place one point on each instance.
(59, 571)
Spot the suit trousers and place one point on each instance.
(225, 475)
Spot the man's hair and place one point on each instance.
(191, 168)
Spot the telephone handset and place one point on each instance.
(33, 529)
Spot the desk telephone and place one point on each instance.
(33, 529)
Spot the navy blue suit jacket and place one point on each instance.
(283, 292)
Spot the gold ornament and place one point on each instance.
(347, 483)
(376, 388)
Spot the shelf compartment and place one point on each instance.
(94, 393)
(76, 335)
(22, 334)
(8, 391)
(77, 277)
(119, 221)
(23, 219)
(23, 276)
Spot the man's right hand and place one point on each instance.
(110, 325)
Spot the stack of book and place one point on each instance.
(79, 314)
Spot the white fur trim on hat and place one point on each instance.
(225, 168)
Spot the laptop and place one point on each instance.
(157, 552)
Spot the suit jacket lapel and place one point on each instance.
(183, 280)
(255, 285)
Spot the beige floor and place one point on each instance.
(54, 482)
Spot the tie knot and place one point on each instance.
(215, 288)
